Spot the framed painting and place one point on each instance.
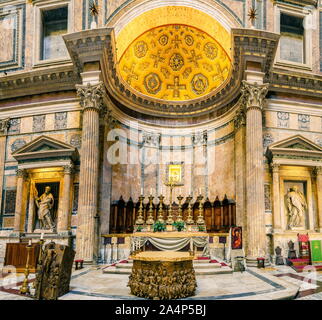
(236, 238)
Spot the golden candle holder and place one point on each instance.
(24, 289)
(150, 219)
(179, 217)
(200, 218)
(139, 220)
(160, 214)
(189, 219)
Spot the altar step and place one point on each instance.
(202, 267)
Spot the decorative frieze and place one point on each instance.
(4, 126)
(14, 125)
(91, 97)
(60, 120)
(304, 121)
(199, 138)
(38, 123)
(151, 139)
(283, 119)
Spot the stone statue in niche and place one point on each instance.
(45, 204)
(296, 207)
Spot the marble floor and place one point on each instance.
(276, 282)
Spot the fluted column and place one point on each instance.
(254, 95)
(318, 172)
(65, 212)
(92, 104)
(276, 196)
(21, 175)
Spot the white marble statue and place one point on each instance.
(296, 207)
(45, 203)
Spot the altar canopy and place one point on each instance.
(169, 242)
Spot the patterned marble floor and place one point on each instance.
(277, 282)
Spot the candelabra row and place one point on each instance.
(169, 220)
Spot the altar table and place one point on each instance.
(162, 275)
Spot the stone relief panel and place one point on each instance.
(151, 139)
(10, 202)
(283, 119)
(38, 123)
(14, 125)
(8, 222)
(75, 198)
(304, 121)
(17, 144)
(60, 120)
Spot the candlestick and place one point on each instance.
(139, 220)
(160, 215)
(151, 191)
(150, 219)
(179, 217)
(200, 219)
(42, 236)
(189, 217)
(25, 286)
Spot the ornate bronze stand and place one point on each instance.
(25, 286)
(179, 217)
(139, 221)
(200, 218)
(189, 220)
(150, 219)
(160, 215)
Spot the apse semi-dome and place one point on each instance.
(175, 62)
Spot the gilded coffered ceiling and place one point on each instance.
(175, 62)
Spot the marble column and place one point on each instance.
(18, 223)
(91, 100)
(254, 95)
(66, 206)
(318, 172)
(4, 125)
(276, 197)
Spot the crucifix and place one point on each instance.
(172, 184)
(176, 87)
(157, 58)
(194, 58)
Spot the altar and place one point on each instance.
(162, 275)
(171, 241)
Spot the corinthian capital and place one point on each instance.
(254, 94)
(91, 96)
(4, 125)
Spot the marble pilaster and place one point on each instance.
(276, 197)
(254, 95)
(91, 100)
(4, 125)
(318, 172)
(66, 203)
(18, 223)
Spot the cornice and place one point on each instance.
(299, 2)
(62, 78)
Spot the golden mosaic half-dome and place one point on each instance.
(175, 63)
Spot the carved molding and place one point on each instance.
(4, 126)
(254, 94)
(91, 97)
